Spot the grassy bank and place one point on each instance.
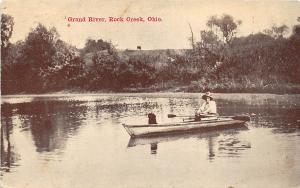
(194, 87)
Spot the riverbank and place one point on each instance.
(193, 87)
(166, 92)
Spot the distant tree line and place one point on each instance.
(220, 61)
(265, 61)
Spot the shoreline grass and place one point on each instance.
(193, 87)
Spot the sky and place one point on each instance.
(171, 33)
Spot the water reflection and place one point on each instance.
(226, 146)
(153, 148)
(50, 122)
(64, 127)
(8, 156)
(288, 128)
(211, 152)
(232, 147)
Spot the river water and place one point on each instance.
(75, 141)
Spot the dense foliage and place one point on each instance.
(262, 62)
(41, 63)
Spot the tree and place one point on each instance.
(296, 32)
(65, 69)
(192, 37)
(294, 49)
(10, 68)
(37, 56)
(226, 25)
(141, 72)
(40, 47)
(277, 31)
(7, 49)
(209, 41)
(104, 71)
(95, 46)
(46, 62)
(7, 24)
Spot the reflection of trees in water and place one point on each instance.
(266, 113)
(232, 146)
(184, 106)
(228, 147)
(267, 110)
(142, 105)
(211, 152)
(50, 122)
(153, 148)
(118, 106)
(116, 109)
(8, 155)
(276, 117)
(225, 143)
(219, 143)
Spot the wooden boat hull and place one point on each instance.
(171, 128)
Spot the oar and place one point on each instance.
(173, 115)
(237, 117)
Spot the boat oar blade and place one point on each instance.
(173, 115)
(241, 117)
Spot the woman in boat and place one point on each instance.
(208, 108)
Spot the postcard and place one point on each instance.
(150, 94)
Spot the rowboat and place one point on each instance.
(208, 124)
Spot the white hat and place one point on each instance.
(207, 94)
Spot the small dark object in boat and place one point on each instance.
(152, 118)
(197, 118)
